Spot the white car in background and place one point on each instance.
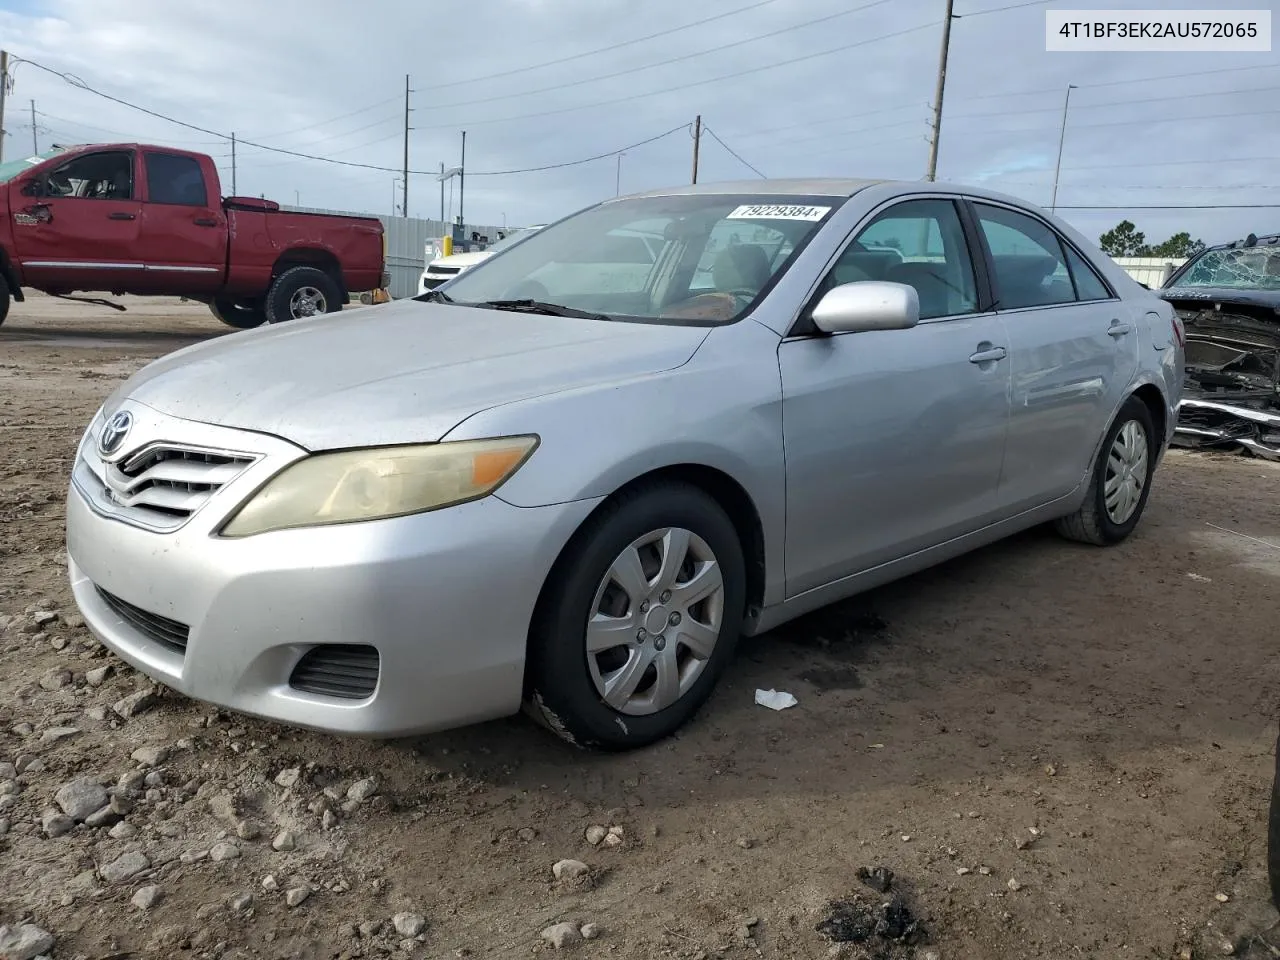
(446, 268)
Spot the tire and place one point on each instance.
(565, 683)
(1093, 522)
(1273, 835)
(4, 298)
(290, 293)
(238, 315)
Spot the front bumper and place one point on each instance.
(444, 597)
(1214, 424)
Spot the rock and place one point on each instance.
(985, 871)
(746, 843)
(570, 869)
(596, 833)
(1221, 897)
(591, 931)
(154, 779)
(370, 928)
(82, 797)
(135, 703)
(328, 820)
(55, 679)
(296, 896)
(362, 790)
(124, 867)
(223, 806)
(121, 804)
(54, 734)
(224, 851)
(97, 676)
(105, 817)
(30, 764)
(614, 837)
(24, 942)
(97, 712)
(288, 778)
(131, 782)
(122, 831)
(10, 788)
(561, 935)
(73, 620)
(43, 618)
(147, 897)
(879, 879)
(151, 756)
(242, 902)
(22, 730)
(270, 883)
(4, 826)
(409, 924)
(284, 842)
(248, 830)
(963, 871)
(55, 824)
(8, 771)
(1014, 885)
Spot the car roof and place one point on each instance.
(811, 187)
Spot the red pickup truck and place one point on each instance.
(137, 219)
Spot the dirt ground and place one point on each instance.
(1059, 750)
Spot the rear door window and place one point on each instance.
(175, 179)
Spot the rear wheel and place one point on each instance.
(302, 292)
(1120, 482)
(4, 298)
(235, 313)
(638, 620)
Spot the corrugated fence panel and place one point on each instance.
(406, 241)
(1153, 271)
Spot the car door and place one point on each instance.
(894, 439)
(1072, 353)
(184, 232)
(76, 228)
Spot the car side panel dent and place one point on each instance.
(722, 409)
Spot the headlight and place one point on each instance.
(379, 482)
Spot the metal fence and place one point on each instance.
(407, 238)
(1153, 271)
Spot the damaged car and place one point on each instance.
(1228, 298)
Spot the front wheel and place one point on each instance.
(638, 619)
(302, 292)
(4, 298)
(236, 314)
(1120, 482)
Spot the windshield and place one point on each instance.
(1243, 268)
(509, 239)
(702, 259)
(12, 168)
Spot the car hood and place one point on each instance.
(460, 259)
(406, 372)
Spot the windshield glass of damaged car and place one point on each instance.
(1239, 268)
(681, 259)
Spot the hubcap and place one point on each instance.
(1126, 472)
(655, 621)
(307, 302)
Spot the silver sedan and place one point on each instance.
(572, 477)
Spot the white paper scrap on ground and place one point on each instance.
(775, 699)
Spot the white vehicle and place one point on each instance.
(446, 268)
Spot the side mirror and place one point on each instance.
(867, 305)
(33, 188)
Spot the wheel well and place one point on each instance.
(11, 277)
(1154, 400)
(735, 501)
(310, 257)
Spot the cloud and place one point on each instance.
(845, 96)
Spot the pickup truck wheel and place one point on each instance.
(4, 298)
(302, 292)
(238, 315)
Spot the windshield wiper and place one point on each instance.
(434, 296)
(539, 306)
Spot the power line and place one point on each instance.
(737, 156)
(1180, 206)
(1117, 103)
(598, 156)
(324, 123)
(1012, 6)
(611, 47)
(661, 63)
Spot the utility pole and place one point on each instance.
(941, 89)
(1062, 136)
(4, 92)
(441, 194)
(617, 180)
(233, 164)
(462, 183)
(404, 196)
(697, 142)
(35, 142)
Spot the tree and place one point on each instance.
(1179, 245)
(1123, 240)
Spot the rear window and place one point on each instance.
(175, 179)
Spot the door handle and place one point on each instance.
(1118, 329)
(205, 222)
(987, 354)
(121, 215)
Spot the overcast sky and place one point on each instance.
(326, 77)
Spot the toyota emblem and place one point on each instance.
(114, 432)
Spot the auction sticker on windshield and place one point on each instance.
(777, 211)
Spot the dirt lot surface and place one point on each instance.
(1060, 751)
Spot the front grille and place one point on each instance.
(345, 670)
(162, 485)
(450, 271)
(170, 634)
